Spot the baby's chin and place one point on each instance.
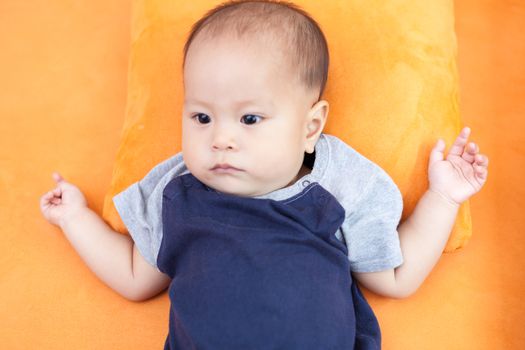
(237, 187)
(239, 192)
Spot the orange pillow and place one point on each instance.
(392, 88)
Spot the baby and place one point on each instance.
(262, 224)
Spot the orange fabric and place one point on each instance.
(63, 69)
(392, 89)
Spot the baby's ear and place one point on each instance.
(316, 120)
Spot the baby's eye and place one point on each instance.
(201, 118)
(251, 118)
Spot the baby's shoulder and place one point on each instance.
(354, 178)
(165, 171)
(154, 182)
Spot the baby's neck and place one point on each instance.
(302, 172)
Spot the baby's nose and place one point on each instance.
(223, 142)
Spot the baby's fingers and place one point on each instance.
(471, 150)
(54, 196)
(45, 200)
(480, 166)
(482, 160)
(458, 146)
(57, 177)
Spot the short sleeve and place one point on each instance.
(370, 227)
(140, 206)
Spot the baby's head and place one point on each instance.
(254, 75)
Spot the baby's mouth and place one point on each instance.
(224, 167)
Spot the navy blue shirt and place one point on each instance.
(258, 273)
(272, 271)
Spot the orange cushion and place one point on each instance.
(392, 89)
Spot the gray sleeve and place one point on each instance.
(370, 229)
(140, 206)
(373, 207)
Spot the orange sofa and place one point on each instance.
(63, 69)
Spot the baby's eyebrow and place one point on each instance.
(237, 103)
(195, 102)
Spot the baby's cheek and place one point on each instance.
(281, 165)
(193, 161)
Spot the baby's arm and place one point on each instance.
(113, 257)
(425, 233)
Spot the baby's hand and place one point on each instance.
(462, 174)
(61, 202)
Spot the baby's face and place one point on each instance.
(241, 108)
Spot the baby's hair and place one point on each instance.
(284, 23)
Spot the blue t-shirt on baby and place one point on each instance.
(271, 271)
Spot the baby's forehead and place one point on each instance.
(268, 52)
(263, 41)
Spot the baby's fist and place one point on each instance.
(61, 202)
